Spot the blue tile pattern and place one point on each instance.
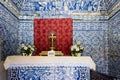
(8, 32)
(72, 5)
(52, 8)
(26, 32)
(114, 45)
(93, 36)
(17, 4)
(49, 73)
(111, 3)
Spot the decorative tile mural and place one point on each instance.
(26, 32)
(52, 8)
(93, 36)
(8, 7)
(111, 3)
(72, 5)
(8, 32)
(49, 73)
(16, 3)
(114, 45)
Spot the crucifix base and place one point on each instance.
(57, 53)
(52, 48)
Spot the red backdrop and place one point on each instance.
(63, 31)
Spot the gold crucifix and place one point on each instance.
(52, 37)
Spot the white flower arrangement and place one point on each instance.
(27, 50)
(76, 48)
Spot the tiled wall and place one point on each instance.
(111, 3)
(26, 31)
(93, 36)
(8, 32)
(16, 3)
(73, 5)
(114, 45)
(53, 8)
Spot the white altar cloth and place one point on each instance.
(21, 61)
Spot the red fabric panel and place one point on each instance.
(63, 31)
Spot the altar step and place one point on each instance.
(100, 76)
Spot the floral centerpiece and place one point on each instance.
(27, 50)
(77, 49)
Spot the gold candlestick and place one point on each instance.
(52, 37)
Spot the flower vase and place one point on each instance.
(24, 54)
(76, 54)
(79, 54)
(30, 54)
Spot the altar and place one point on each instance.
(49, 68)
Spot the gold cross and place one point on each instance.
(52, 37)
